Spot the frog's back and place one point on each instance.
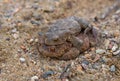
(66, 25)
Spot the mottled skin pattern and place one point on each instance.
(66, 38)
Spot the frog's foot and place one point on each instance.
(71, 54)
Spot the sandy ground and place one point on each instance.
(20, 22)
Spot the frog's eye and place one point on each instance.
(55, 38)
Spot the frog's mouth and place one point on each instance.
(54, 51)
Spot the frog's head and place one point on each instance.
(53, 39)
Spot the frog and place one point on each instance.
(66, 38)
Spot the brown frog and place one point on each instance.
(66, 38)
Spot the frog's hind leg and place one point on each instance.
(76, 42)
(71, 54)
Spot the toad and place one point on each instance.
(66, 38)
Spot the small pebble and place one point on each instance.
(16, 36)
(37, 16)
(65, 79)
(97, 57)
(116, 33)
(31, 40)
(23, 47)
(116, 17)
(34, 78)
(22, 60)
(104, 68)
(103, 59)
(105, 33)
(36, 40)
(96, 66)
(79, 68)
(47, 74)
(118, 11)
(107, 42)
(112, 68)
(110, 46)
(35, 22)
(100, 51)
(35, 6)
(116, 52)
(19, 51)
(8, 39)
(115, 47)
(14, 30)
(85, 64)
(49, 9)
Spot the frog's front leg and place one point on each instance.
(93, 30)
(84, 24)
(88, 29)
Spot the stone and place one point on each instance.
(48, 73)
(79, 69)
(14, 30)
(65, 79)
(115, 47)
(104, 59)
(116, 52)
(112, 68)
(22, 60)
(85, 64)
(34, 78)
(118, 11)
(96, 66)
(100, 51)
(107, 42)
(31, 40)
(36, 40)
(15, 35)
